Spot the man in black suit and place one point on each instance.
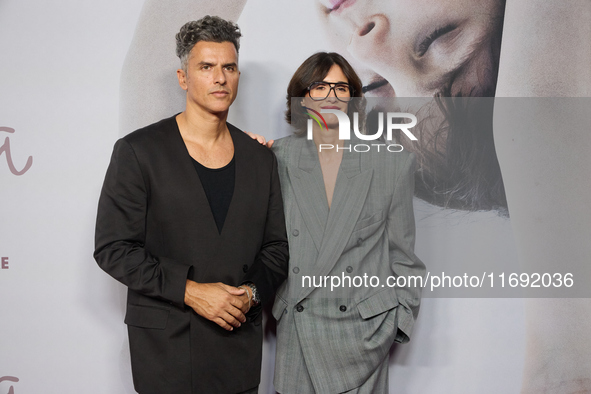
(191, 220)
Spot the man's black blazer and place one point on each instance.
(155, 230)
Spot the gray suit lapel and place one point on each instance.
(305, 175)
(349, 196)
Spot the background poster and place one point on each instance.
(77, 75)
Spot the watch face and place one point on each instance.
(255, 294)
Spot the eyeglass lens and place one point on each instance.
(321, 90)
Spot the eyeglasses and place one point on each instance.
(321, 90)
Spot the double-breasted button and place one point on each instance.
(349, 269)
(245, 268)
(300, 308)
(296, 270)
(343, 308)
(359, 241)
(295, 233)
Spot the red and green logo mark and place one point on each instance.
(316, 117)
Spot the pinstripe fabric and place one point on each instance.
(337, 341)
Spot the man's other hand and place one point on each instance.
(222, 304)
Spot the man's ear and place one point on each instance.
(302, 103)
(182, 77)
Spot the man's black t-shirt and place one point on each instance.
(218, 184)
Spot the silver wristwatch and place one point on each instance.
(256, 298)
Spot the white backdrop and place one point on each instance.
(62, 78)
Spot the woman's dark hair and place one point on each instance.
(314, 69)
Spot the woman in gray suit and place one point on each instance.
(350, 219)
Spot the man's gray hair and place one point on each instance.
(209, 28)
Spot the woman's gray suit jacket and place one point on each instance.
(344, 334)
